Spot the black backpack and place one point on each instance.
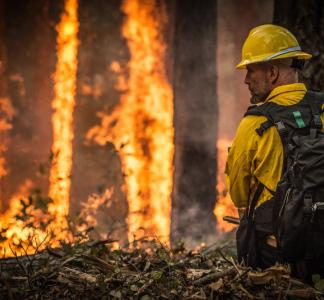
(298, 202)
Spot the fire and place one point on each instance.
(141, 126)
(15, 234)
(90, 208)
(20, 236)
(7, 112)
(62, 119)
(224, 204)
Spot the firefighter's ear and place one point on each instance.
(274, 73)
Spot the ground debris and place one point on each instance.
(96, 271)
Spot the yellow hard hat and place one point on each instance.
(269, 42)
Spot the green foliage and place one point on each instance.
(318, 282)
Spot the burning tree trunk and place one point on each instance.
(305, 19)
(195, 119)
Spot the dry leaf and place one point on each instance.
(193, 274)
(216, 285)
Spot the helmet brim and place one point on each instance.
(295, 54)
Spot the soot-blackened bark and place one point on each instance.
(305, 19)
(96, 167)
(195, 121)
(4, 102)
(30, 40)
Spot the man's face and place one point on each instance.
(258, 80)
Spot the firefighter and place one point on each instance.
(272, 59)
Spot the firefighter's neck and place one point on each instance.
(285, 75)
(276, 74)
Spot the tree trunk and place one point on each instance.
(305, 19)
(6, 111)
(195, 121)
(97, 168)
(30, 39)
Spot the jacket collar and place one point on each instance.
(283, 89)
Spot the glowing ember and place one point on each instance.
(224, 204)
(141, 126)
(62, 120)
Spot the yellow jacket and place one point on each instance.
(253, 158)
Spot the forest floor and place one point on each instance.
(146, 270)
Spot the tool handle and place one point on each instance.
(232, 220)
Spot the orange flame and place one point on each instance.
(6, 114)
(62, 120)
(141, 126)
(17, 233)
(25, 239)
(224, 204)
(90, 208)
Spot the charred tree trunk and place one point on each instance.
(6, 111)
(305, 19)
(30, 39)
(195, 121)
(97, 168)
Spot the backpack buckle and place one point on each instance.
(260, 130)
(317, 121)
(316, 206)
(263, 127)
(308, 204)
(282, 128)
(290, 148)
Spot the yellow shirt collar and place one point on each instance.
(294, 87)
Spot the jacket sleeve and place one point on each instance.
(241, 157)
(253, 159)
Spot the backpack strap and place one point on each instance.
(256, 196)
(315, 101)
(256, 110)
(263, 127)
(253, 110)
(268, 110)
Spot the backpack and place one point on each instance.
(298, 202)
